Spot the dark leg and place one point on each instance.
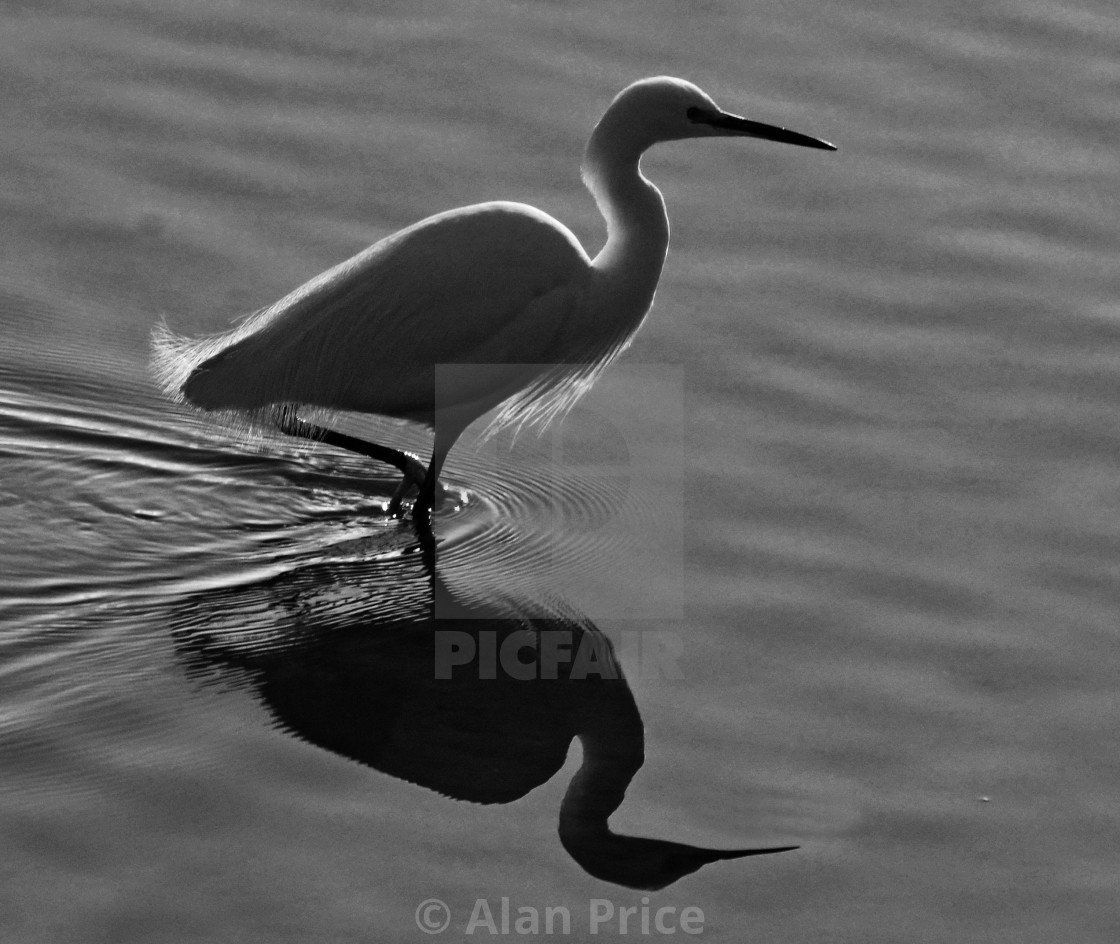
(408, 464)
(422, 514)
(422, 510)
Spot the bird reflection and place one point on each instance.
(480, 704)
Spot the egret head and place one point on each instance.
(669, 109)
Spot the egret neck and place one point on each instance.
(630, 262)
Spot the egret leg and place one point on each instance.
(422, 510)
(411, 468)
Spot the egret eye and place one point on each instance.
(694, 114)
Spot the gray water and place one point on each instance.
(867, 500)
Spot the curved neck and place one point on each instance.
(637, 225)
(608, 725)
(613, 742)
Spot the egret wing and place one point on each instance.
(490, 284)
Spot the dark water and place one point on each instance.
(848, 509)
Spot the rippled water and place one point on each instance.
(848, 507)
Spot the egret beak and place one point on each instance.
(744, 127)
(743, 853)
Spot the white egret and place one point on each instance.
(404, 328)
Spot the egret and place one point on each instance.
(491, 305)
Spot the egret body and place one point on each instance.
(404, 328)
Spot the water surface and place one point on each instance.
(868, 488)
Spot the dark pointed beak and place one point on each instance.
(744, 127)
(687, 859)
(743, 853)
